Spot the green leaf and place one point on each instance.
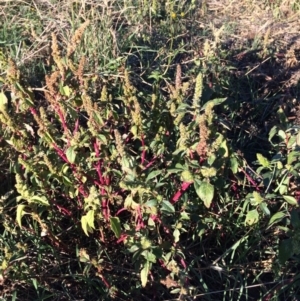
(263, 206)
(134, 130)
(182, 108)
(276, 218)
(35, 283)
(292, 142)
(234, 165)
(298, 139)
(133, 248)
(176, 235)
(66, 91)
(272, 132)
(48, 138)
(128, 165)
(167, 206)
(211, 159)
(283, 189)
(153, 174)
(262, 160)
(292, 156)
(285, 250)
(257, 199)
(237, 244)
(98, 118)
(144, 274)
(151, 223)
(71, 154)
(172, 171)
(156, 75)
(20, 213)
(224, 147)
(102, 139)
(252, 217)
(3, 102)
(90, 218)
(115, 225)
(184, 216)
(282, 134)
(180, 166)
(28, 128)
(290, 199)
(41, 200)
(128, 202)
(151, 203)
(215, 101)
(20, 88)
(205, 192)
(149, 256)
(85, 225)
(67, 181)
(187, 176)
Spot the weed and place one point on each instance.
(148, 151)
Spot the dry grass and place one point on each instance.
(264, 37)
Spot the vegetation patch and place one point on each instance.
(149, 150)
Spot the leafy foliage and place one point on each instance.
(124, 171)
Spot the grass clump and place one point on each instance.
(147, 153)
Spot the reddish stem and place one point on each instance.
(150, 163)
(98, 164)
(144, 150)
(121, 210)
(156, 218)
(60, 153)
(105, 209)
(73, 167)
(139, 219)
(76, 127)
(183, 263)
(63, 210)
(179, 193)
(33, 111)
(122, 238)
(162, 264)
(104, 281)
(62, 119)
(250, 179)
(103, 181)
